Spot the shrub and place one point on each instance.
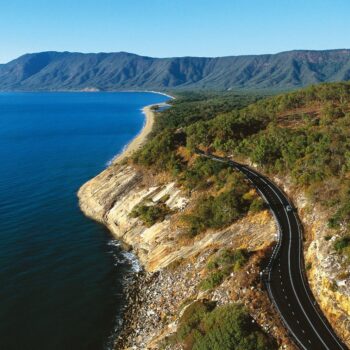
(227, 327)
(342, 245)
(150, 214)
(192, 317)
(216, 212)
(212, 264)
(159, 152)
(235, 258)
(221, 265)
(213, 280)
(257, 205)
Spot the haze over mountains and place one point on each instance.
(125, 71)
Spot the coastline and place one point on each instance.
(155, 295)
(139, 277)
(137, 142)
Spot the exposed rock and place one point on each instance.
(174, 268)
(328, 273)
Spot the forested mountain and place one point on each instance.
(125, 71)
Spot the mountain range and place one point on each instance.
(126, 71)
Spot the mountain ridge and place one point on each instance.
(52, 71)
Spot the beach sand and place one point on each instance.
(141, 138)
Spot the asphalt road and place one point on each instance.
(285, 277)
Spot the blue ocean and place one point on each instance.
(61, 274)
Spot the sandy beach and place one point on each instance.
(141, 138)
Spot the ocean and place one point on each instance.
(61, 274)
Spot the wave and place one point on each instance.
(122, 257)
(110, 162)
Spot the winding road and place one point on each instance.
(285, 277)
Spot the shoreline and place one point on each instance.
(120, 335)
(154, 295)
(89, 90)
(138, 141)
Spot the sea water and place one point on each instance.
(61, 274)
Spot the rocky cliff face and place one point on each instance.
(110, 197)
(328, 272)
(175, 267)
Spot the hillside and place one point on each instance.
(301, 141)
(201, 230)
(122, 71)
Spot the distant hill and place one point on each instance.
(125, 71)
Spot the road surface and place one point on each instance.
(285, 277)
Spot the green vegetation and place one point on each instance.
(230, 258)
(205, 173)
(303, 134)
(216, 212)
(342, 246)
(214, 279)
(257, 205)
(278, 135)
(227, 195)
(191, 107)
(160, 152)
(126, 71)
(221, 265)
(206, 327)
(150, 213)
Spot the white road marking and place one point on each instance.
(243, 169)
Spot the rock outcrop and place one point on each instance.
(174, 267)
(328, 272)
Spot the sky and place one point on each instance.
(166, 28)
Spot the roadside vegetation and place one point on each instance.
(203, 326)
(342, 246)
(221, 265)
(303, 134)
(226, 196)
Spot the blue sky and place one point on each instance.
(164, 28)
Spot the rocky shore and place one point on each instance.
(174, 267)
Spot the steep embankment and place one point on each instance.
(204, 233)
(177, 270)
(328, 272)
(122, 71)
(301, 140)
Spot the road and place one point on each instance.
(285, 277)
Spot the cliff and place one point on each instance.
(306, 155)
(175, 267)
